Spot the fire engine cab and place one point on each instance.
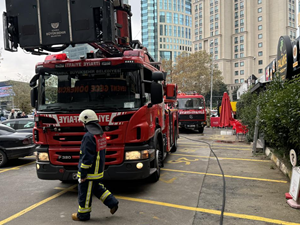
(192, 113)
(120, 81)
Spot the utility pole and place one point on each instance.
(211, 83)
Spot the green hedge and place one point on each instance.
(279, 113)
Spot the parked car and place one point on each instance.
(21, 125)
(14, 144)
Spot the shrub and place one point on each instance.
(279, 113)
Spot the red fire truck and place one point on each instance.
(119, 81)
(192, 114)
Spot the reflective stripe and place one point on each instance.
(83, 166)
(105, 195)
(97, 163)
(91, 176)
(84, 210)
(95, 176)
(88, 194)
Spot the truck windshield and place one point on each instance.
(96, 89)
(191, 103)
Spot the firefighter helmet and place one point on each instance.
(87, 116)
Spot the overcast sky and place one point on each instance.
(21, 66)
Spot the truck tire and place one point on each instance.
(3, 158)
(201, 129)
(154, 177)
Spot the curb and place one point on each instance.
(283, 168)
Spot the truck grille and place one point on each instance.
(194, 117)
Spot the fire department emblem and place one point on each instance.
(54, 25)
(191, 116)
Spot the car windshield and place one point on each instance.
(98, 89)
(191, 103)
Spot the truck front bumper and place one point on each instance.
(125, 171)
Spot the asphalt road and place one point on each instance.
(189, 191)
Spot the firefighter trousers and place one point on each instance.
(85, 192)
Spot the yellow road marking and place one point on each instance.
(183, 160)
(170, 181)
(209, 211)
(36, 205)
(16, 168)
(217, 148)
(214, 145)
(240, 159)
(229, 176)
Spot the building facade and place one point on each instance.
(242, 35)
(166, 27)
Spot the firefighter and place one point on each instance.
(91, 167)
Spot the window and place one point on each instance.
(242, 48)
(242, 29)
(260, 36)
(236, 65)
(236, 15)
(242, 22)
(242, 39)
(162, 17)
(236, 81)
(259, 10)
(236, 56)
(260, 44)
(236, 73)
(260, 27)
(236, 49)
(236, 23)
(260, 53)
(236, 6)
(242, 55)
(242, 80)
(259, 18)
(260, 70)
(241, 63)
(242, 72)
(236, 40)
(260, 62)
(236, 30)
(259, 1)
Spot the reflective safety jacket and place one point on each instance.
(92, 157)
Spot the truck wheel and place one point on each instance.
(201, 129)
(174, 148)
(3, 158)
(156, 164)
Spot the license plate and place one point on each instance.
(65, 157)
(190, 125)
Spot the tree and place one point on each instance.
(192, 72)
(167, 66)
(219, 87)
(21, 96)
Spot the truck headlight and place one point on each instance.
(135, 155)
(43, 156)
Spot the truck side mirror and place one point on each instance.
(156, 93)
(33, 96)
(158, 76)
(33, 81)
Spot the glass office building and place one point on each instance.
(166, 27)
